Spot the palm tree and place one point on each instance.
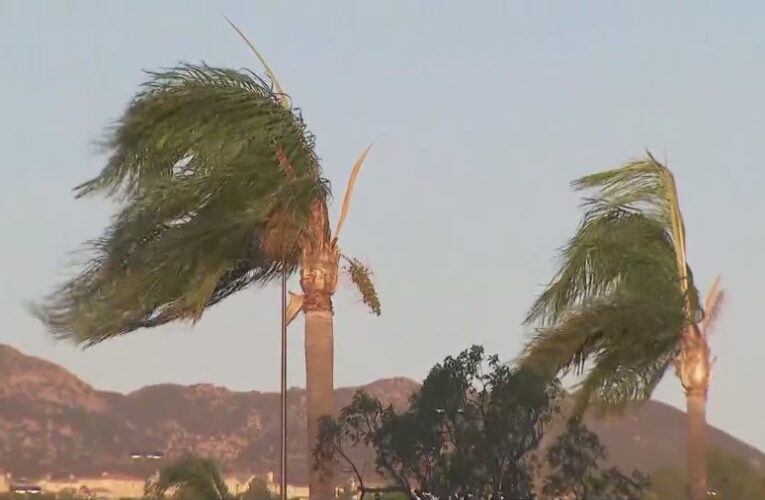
(220, 189)
(189, 478)
(623, 306)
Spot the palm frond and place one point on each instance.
(613, 384)
(625, 318)
(283, 96)
(200, 123)
(208, 210)
(648, 187)
(349, 191)
(634, 187)
(619, 344)
(607, 250)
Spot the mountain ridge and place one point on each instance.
(53, 424)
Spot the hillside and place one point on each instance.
(53, 424)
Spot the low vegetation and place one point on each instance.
(475, 428)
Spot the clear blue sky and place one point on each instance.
(480, 116)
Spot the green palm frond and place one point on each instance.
(617, 247)
(198, 160)
(622, 377)
(620, 344)
(647, 187)
(190, 478)
(218, 119)
(637, 186)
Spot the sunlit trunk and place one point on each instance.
(319, 280)
(693, 368)
(696, 406)
(319, 388)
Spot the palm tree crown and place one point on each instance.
(220, 188)
(617, 308)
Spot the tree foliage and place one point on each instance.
(616, 309)
(729, 477)
(469, 429)
(189, 478)
(732, 477)
(574, 472)
(257, 489)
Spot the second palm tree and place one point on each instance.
(623, 307)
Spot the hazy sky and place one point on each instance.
(480, 114)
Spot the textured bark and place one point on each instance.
(318, 279)
(696, 402)
(319, 388)
(694, 370)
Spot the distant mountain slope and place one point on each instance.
(53, 424)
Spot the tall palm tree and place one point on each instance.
(623, 307)
(189, 478)
(220, 189)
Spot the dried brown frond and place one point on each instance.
(284, 163)
(280, 237)
(712, 306)
(283, 99)
(349, 190)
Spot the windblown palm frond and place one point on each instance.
(647, 187)
(190, 478)
(624, 324)
(606, 251)
(616, 310)
(218, 180)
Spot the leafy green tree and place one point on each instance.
(623, 306)
(730, 477)
(189, 478)
(667, 483)
(258, 490)
(470, 429)
(68, 494)
(574, 471)
(8, 495)
(220, 188)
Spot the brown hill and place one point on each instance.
(53, 424)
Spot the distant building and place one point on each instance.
(26, 489)
(107, 485)
(154, 455)
(110, 485)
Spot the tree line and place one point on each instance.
(476, 428)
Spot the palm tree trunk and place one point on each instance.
(696, 403)
(318, 279)
(319, 355)
(693, 368)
